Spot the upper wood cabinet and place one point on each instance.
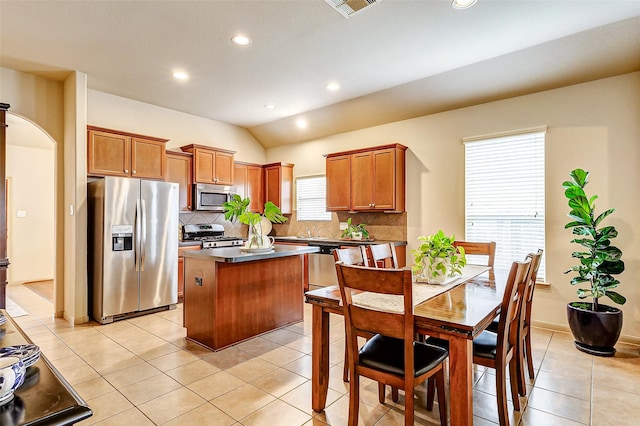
(375, 178)
(278, 184)
(211, 165)
(338, 174)
(116, 153)
(249, 182)
(179, 166)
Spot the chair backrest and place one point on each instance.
(536, 259)
(349, 256)
(381, 255)
(510, 309)
(362, 320)
(478, 248)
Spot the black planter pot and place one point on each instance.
(595, 333)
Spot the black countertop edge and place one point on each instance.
(236, 255)
(333, 241)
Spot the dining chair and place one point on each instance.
(479, 249)
(349, 256)
(525, 351)
(392, 356)
(380, 255)
(524, 348)
(499, 350)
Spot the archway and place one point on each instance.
(31, 230)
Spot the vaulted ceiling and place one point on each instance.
(393, 60)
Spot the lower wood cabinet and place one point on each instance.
(181, 270)
(305, 268)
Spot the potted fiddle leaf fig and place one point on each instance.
(595, 326)
(237, 208)
(438, 258)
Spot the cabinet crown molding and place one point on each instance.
(367, 149)
(210, 148)
(120, 132)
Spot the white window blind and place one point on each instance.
(504, 195)
(311, 198)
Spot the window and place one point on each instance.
(311, 198)
(504, 194)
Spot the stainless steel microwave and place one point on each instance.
(211, 197)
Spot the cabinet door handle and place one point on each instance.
(134, 172)
(126, 170)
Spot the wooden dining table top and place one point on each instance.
(465, 309)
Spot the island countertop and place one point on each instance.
(236, 255)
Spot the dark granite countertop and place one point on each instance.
(235, 254)
(45, 397)
(319, 241)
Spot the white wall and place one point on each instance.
(30, 173)
(594, 125)
(117, 113)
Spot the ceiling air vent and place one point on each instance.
(349, 7)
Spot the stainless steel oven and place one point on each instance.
(211, 197)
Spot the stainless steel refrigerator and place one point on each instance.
(133, 247)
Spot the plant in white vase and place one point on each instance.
(237, 208)
(438, 258)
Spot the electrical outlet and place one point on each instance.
(343, 226)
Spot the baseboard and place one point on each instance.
(633, 340)
(75, 321)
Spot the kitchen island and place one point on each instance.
(231, 295)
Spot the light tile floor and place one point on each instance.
(143, 371)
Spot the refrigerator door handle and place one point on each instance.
(138, 233)
(143, 238)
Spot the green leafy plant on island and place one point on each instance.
(355, 228)
(601, 260)
(237, 208)
(438, 257)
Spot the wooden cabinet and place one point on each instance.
(338, 174)
(248, 180)
(376, 179)
(179, 165)
(115, 153)
(305, 267)
(211, 165)
(278, 184)
(181, 250)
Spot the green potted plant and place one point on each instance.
(595, 326)
(237, 208)
(437, 258)
(356, 232)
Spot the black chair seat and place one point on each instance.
(436, 341)
(484, 346)
(494, 325)
(387, 354)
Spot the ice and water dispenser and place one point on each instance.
(121, 237)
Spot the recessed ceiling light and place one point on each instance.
(333, 86)
(301, 123)
(270, 106)
(241, 40)
(463, 4)
(180, 75)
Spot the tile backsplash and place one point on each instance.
(381, 226)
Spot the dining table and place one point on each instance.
(457, 314)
